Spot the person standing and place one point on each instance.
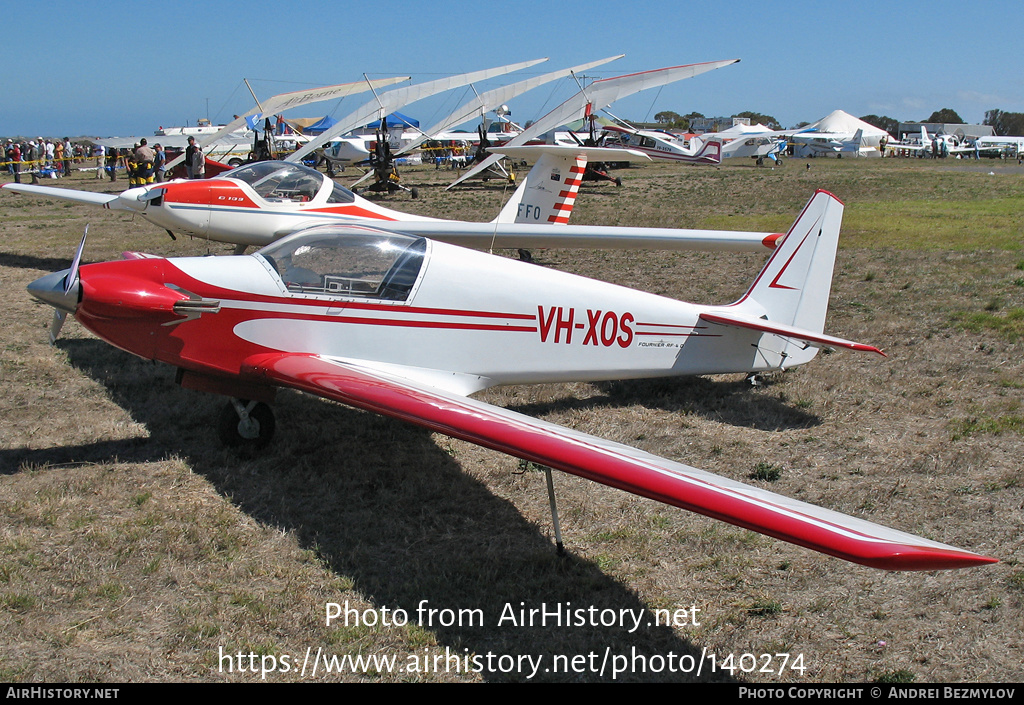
(112, 157)
(14, 155)
(69, 152)
(144, 159)
(58, 158)
(100, 152)
(159, 161)
(195, 161)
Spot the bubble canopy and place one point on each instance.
(347, 261)
(283, 181)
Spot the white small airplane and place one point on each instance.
(663, 145)
(928, 145)
(409, 328)
(824, 144)
(751, 141)
(259, 203)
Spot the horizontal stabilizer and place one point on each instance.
(817, 340)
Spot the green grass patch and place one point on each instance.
(899, 676)
(1009, 325)
(766, 472)
(1007, 423)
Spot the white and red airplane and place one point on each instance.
(662, 145)
(259, 203)
(409, 328)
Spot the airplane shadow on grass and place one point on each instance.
(387, 506)
(732, 402)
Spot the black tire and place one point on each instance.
(415, 192)
(235, 163)
(256, 434)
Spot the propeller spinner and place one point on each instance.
(61, 290)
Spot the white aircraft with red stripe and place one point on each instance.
(259, 203)
(409, 327)
(663, 145)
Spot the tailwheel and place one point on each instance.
(246, 423)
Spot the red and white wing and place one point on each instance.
(608, 463)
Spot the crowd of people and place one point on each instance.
(43, 155)
(54, 158)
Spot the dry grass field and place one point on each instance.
(135, 548)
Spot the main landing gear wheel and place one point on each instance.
(246, 423)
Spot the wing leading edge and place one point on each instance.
(609, 463)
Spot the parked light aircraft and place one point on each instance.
(750, 141)
(663, 145)
(258, 203)
(822, 144)
(408, 327)
(940, 145)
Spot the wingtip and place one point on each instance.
(925, 559)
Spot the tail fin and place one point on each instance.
(793, 288)
(789, 298)
(709, 153)
(548, 193)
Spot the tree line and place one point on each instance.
(1003, 123)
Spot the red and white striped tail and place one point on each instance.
(562, 208)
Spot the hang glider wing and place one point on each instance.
(389, 102)
(598, 96)
(285, 101)
(481, 104)
(421, 402)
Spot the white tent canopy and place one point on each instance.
(840, 122)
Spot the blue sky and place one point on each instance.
(125, 68)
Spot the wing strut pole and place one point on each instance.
(258, 103)
(559, 546)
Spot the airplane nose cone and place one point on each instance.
(51, 290)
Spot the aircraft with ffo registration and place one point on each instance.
(259, 203)
(408, 327)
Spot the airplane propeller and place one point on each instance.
(61, 290)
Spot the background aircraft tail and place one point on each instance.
(548, 193)
(710, 152)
